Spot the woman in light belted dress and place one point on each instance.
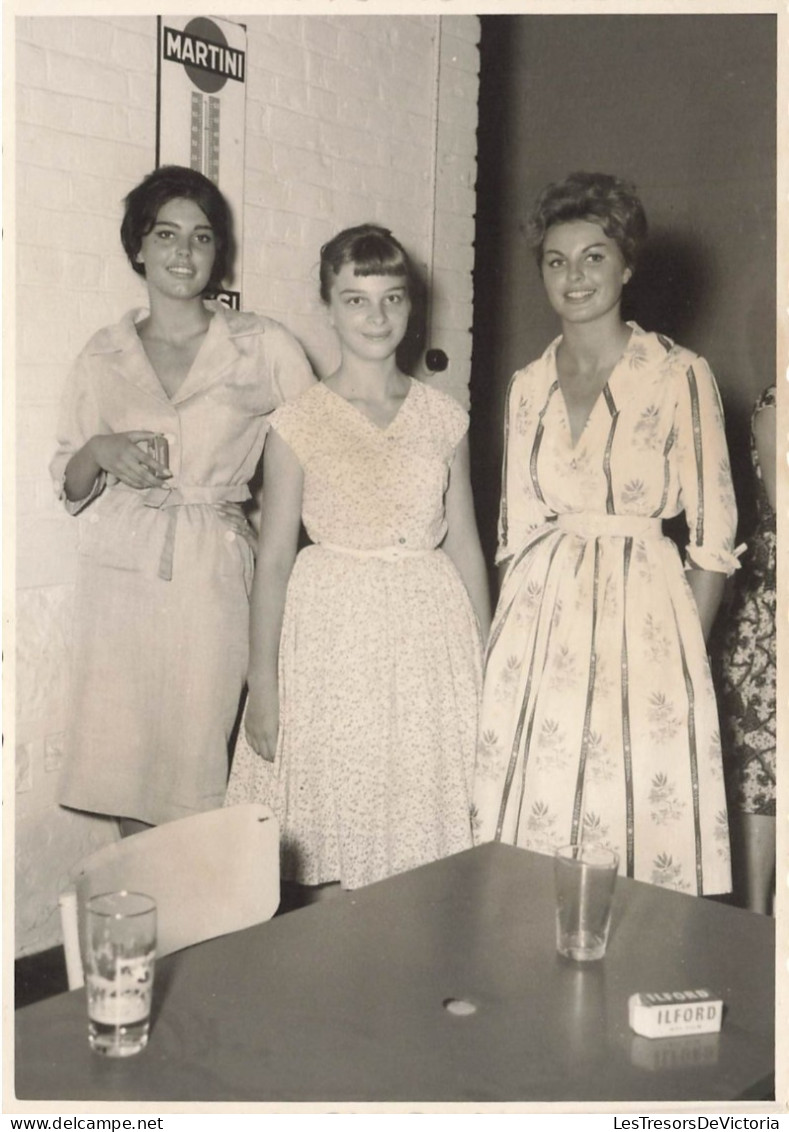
(165, 554)
(599, 721)
(364, 680)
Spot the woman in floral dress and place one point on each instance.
(747, 679)
(364, 681)
(599, 720)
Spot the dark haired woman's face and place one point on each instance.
(179, 251)
(583, 271)
(369, 312)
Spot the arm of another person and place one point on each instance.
(764, 436)
(707, 588)
(291, 374)
(280, 519)
(462, 538)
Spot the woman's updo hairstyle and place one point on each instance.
(176, 182)
(598, 197)
(371, 249)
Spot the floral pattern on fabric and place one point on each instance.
(599, 719)
(746, 661)
(380, 661)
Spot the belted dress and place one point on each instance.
(380, 660)
(599, 721)
(160, 627)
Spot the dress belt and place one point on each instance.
(387, 553)
(184, 494)
(169, 499)
(587, 524)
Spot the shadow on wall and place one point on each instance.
(669, 285)
(411, 349)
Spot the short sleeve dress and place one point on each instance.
(161, 616)
(380, 653)
(599, 720)
(746, 661)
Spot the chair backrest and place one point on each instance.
(210, 874)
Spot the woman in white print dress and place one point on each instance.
(165, 558)
(364, 682)
(599, 720)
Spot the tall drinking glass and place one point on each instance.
(120, 947)
(585, 876)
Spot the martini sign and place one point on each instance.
(209, 63)
(201, 110)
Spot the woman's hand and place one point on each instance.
(235, 517)
(261, 722)
(119, 454)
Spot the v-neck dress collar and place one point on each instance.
(217, 354)
(617, 390)
(363, 417)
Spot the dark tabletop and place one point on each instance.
(346, 1001)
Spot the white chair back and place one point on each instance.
(210, 874)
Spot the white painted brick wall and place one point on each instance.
(340, 129)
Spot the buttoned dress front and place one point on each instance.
(599, 721)
(162, 596)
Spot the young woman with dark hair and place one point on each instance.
(165, 551)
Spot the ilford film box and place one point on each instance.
(669, 1013)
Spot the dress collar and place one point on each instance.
(218, 351)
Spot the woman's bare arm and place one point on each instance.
(280, 521)
(764, 435)
(462, 539)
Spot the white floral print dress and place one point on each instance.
(599, 720)
(380, 654)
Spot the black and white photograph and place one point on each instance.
(395, 460)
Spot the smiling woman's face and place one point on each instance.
(369, 312)
(583, 270)
(179, 251)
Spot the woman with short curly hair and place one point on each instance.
(598, 197)
(599, 721)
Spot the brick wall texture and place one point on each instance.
(348, 118)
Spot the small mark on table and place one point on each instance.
(460, 1007)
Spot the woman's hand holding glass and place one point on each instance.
(120, 454)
